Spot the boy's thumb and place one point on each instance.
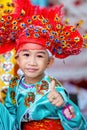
(52, 85)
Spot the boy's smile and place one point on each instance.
(32, 70)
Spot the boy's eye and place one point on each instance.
(40, 56)
(26, 54)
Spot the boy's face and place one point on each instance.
(34, 62)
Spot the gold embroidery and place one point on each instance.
(12, 96)
(13, 82)
(30, 98)
(41, 87)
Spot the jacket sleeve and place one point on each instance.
(8, 112)
(10, 101)
(70, 116)
(11, 97)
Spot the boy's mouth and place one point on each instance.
(32, 69)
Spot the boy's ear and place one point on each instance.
(17, 60)
(50, 62)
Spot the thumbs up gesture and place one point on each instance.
(54, 97)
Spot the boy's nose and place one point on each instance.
(32, 61)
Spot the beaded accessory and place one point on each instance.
(42, 26)
(25, 85)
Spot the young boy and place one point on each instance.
(28, 98)
(33, 60)
(38, 101)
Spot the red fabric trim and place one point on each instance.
(46, 124)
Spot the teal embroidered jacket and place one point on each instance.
(34, 100)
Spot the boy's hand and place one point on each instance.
(54, 97)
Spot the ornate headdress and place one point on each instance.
(42, 26)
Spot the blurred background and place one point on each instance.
(72, 71)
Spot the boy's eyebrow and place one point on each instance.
(25, 50)
(42, 52)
